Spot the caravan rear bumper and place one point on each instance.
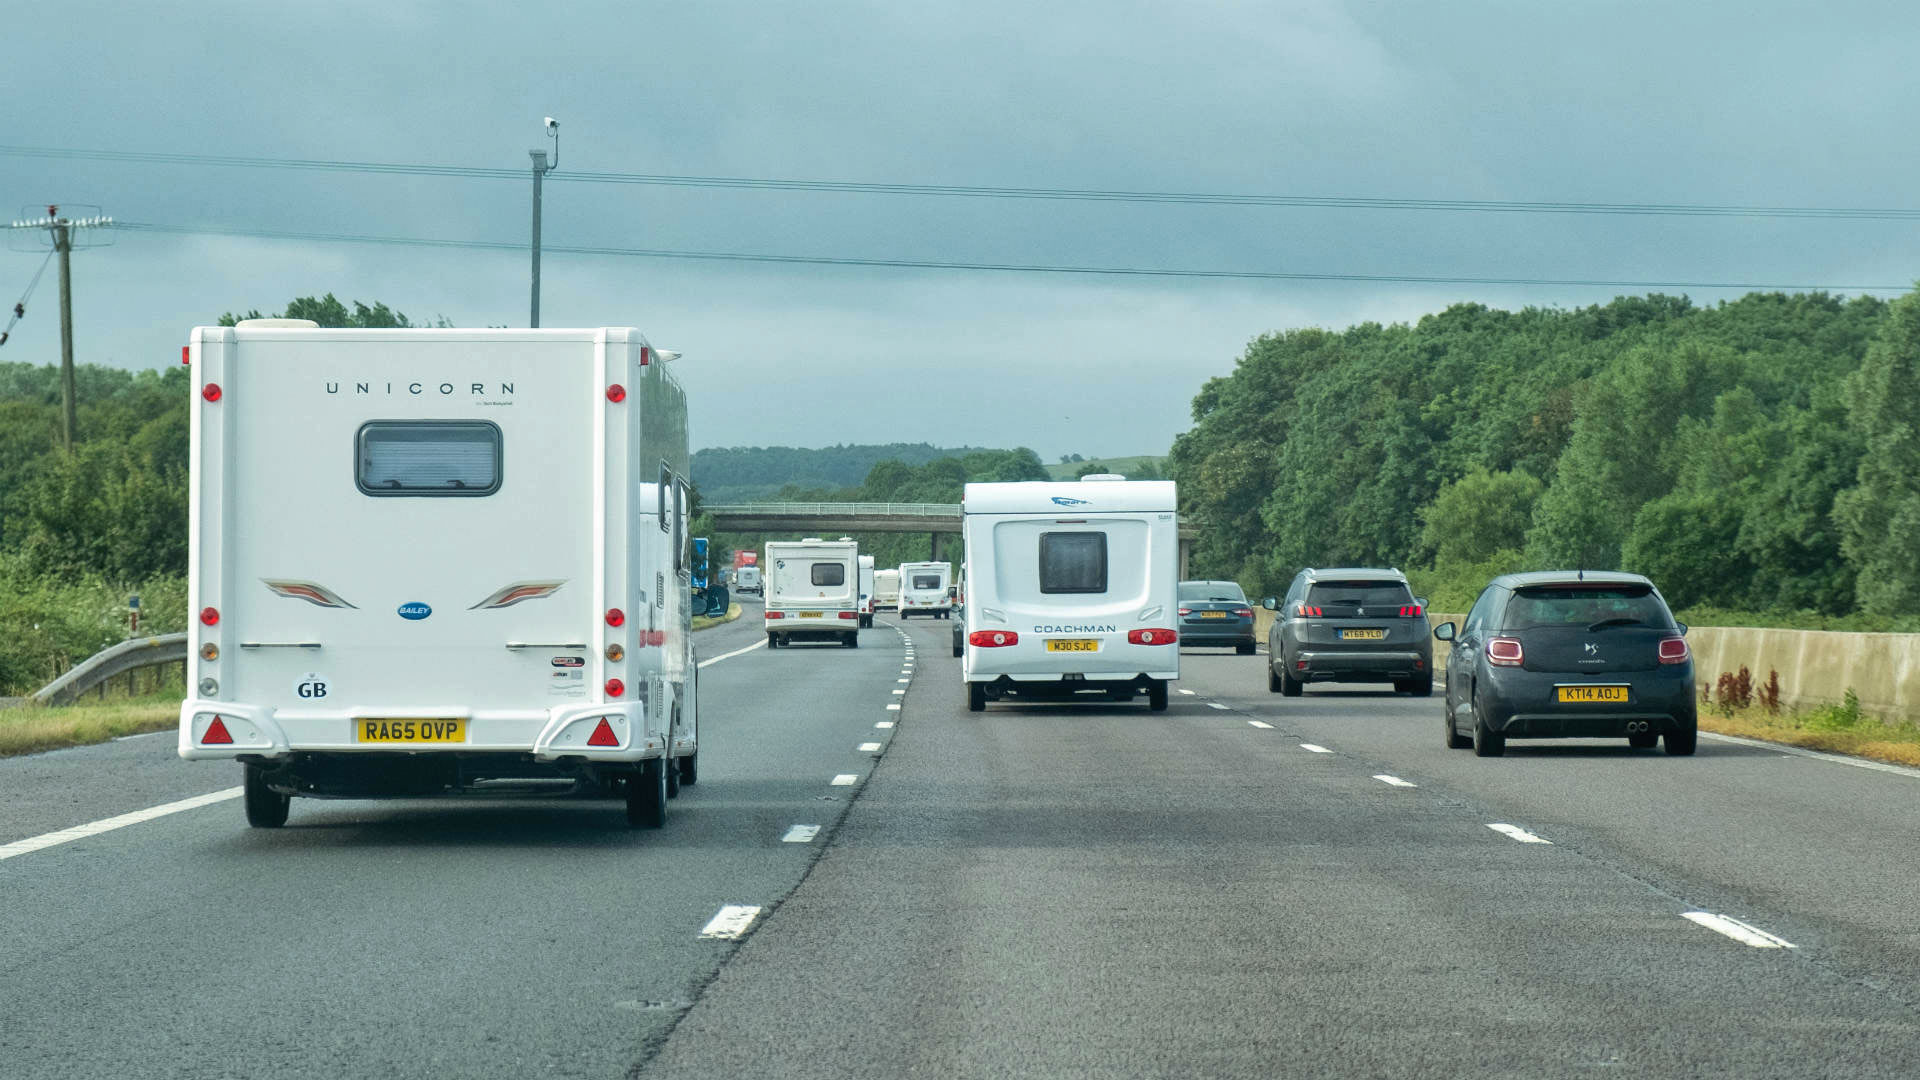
(547, 735)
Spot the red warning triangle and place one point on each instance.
(602, 735)
(216, 733)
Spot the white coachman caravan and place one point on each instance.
(1072, 589)
(426, 560)
(923, 589)
(747, 579)
(866, 591)
(813, 591)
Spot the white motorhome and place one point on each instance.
(866, 591)
(747, 579)
(886, 589)
(424, 561)
(813, 591)
(1072, 590)
(923, 589)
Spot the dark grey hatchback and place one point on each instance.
(1349, 625)
(1216, 613)
(1569, 655)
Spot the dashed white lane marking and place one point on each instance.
(1189, 693)
(95, 828)
(897, 692)
(868, 747)
(1313, 749)
(884, 724)
(1518, 833)
(1393, 781)
(730, 923)
(1216, 705)
(900, 680)
(1260, 724)
(1738, 931)
(712, 660)
(846, 779)
(801, 834)
(893, 707)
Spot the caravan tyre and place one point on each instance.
(852, 639)
(690, 769)
(1157, 696)
(773, 641)
(976, 697)
(647, 795)
(266, 808)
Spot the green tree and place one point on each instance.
(1880, 517)
(330, 312)
(1479, 514)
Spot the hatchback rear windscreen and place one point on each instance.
(926, 581)
(1381, 598)
(428, 457)
(829, 573)
(1073, 562)
(1212, 590)
(1586, 606)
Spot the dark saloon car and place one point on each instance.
(1216, 613)
(1349, 625)
(1569, 655)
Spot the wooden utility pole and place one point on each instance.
(63, 232)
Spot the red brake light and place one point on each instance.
(616, 394)
(1410, 611)
(776, 614)
(1152, 637)
(645, 355)
(183, 354)
(615, 688)
(1244, 612)
(209, 616)
(1674, 650)
(1505, 652)
(992, 639)
(616, 617)
(849, 614)
(1308, 611)
(211, 391)
(217, 734)
(603, 735)
(1186, 611)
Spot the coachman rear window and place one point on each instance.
(1074, 562)
(428, 457)
(829, 573)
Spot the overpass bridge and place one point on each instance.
(940, 521)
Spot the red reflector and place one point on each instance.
(645, 354)
(183, 354)
(615, 688)
(616, 394)
(1673, 650)
(992, 639)
(616, 617)
(209, 616)
(849, 614)
(603, 735)
(776, 614)
(1505, 652)
(211, 391)
(1152, 637)
(216, 734)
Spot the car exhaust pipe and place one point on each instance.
(1636, 726)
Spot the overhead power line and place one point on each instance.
(1352, 202)
(1017, 268)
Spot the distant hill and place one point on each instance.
(1139, 467)
(745, 473)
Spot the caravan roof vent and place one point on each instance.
(813, 540)
(1107, 476)
(276, 324)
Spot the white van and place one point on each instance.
(886, 589)
(923, 589)
(1072, 589)
(423, 561)
(747, 579)
(866, 591)
(813, 591)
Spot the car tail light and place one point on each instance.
(616, 688)
(616, 393)
(616, 617)
(217, 734)
(211, 391)
(1505, 652)
(1410, 611)
(1674, 650)
(849, 614)
(1152, 637)
(1186, 611)
(210, 616)
(603, 735)
(992, 639)
(1308, 611)
(1244, 612)
(776, 614)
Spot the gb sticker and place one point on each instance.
(312, 686)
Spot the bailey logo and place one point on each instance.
(415, 610)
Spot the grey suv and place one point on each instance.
(1349, 625)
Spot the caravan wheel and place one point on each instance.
(647, 795)
(266, 808)
(1157, 696)
(690, 769)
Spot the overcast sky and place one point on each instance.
(1763, 103)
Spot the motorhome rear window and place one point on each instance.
(1074, 562)
(428, 457)
(829, 573)
(926, 581)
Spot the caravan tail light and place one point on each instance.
(1673, 650)
(993, 639)
(1152, 637)
(616, 617)
(616, 393)
(209, 616)
(615, 688)
(1505, 652)
(1308, 611)
(849, 614)
(185, 351)
(211, 391)
(616, 653)
(776, 614)
(209, 651)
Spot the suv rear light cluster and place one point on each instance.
(993, 639)
(1186, 611)
(1410, 611)
(1152, 637)
(1505, 652)
(1309, 611)
(1674, 650)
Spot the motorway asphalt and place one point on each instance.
(1031, 891)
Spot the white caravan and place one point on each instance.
(1072, 589)
(923, 589)
(747, 579)
(886, 589)
(866, 591)
(813, 591)
(425, 561)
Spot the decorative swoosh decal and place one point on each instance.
(518, 591)
(306, 590)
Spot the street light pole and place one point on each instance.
(540, 170)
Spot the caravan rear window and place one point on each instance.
(926, 581)
(829, 573)
(1074, 562)
(428, 457)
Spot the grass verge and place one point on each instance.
(1838, 729)
(29, 729)
(702, 622)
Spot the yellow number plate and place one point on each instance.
(809, 614)
(1591, 694)
(1363, 635)
(409, 731)
(1073, 645)
(1213, 614)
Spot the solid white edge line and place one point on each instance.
(730, 655)
(846, 779)
(1393, 781)
(1313, 748)
(95, 828)
(1517, 833)
(731, 922)
(1260, 724)
(801, 834)
(1818, 755)
(868, 747)
(1738, 931)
